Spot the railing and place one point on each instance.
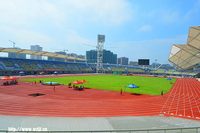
(164, 130)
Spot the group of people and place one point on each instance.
(80, 88)
(12, 82)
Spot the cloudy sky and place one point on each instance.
(133, 28)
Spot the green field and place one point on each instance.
(147, 85)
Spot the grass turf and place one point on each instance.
(147, 85)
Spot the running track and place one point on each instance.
(182, 101)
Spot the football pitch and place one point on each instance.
(146, 85)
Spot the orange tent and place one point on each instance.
(8, 78)
(79, 82)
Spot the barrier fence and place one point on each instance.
(164, 130)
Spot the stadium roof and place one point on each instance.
(188, 55)
(39, 53)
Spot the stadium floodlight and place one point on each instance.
(12, 43)
(100, 44)
(65, 50)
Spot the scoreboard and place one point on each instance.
(143, 61)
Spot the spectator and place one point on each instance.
(70, 84)
(121, 91)
(162, 93)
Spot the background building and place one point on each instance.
(67, 54)
(122, 61)
(58, 59)
(108, 57)
(91, 56)
(133, 63)
(36, 48)
(76, 56)
(16, 55)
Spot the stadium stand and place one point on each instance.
(13, 66)
(10, 66)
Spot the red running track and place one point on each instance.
(182, 101)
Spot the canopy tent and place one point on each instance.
(132, 86)
(188, 55)
(9, 78)
(79, 82)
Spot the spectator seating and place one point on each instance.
(11, 66)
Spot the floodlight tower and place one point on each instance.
(12, 43)
(100, 43)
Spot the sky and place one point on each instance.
(133, 28)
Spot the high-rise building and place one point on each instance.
(36, 48)
(122, 61)
(16, 55)
(108, 57)
(91, 56)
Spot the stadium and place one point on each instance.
(86, 96)
(99, 66)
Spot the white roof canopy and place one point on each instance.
(39, 53)
(188, 55)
